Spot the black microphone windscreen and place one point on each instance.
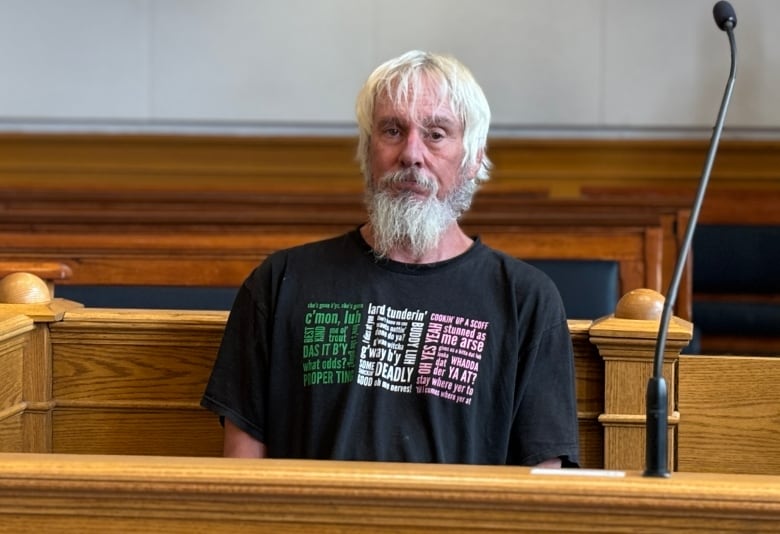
(724, 14)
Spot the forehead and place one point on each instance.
(424, 103)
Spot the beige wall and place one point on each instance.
(571, 66)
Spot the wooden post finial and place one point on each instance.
(642, 303)
(24, 288)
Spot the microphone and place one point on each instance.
(724, 15)
(656, 423)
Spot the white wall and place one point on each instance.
(585, 67)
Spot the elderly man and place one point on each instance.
(405, 339)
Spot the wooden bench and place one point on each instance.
(736, 286)
(166, 238)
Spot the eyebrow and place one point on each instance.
(436, 120)
(385, 122)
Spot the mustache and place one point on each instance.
(411, 175)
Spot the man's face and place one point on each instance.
(417, 188)
(427, 138)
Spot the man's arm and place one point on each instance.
(552, 463)
(239, 444)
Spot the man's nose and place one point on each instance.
(413, 149)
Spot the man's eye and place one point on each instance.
(393, 132)
(435, 135)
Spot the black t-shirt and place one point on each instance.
(329, 353)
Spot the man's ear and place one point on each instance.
(473, 169)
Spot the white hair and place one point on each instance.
(456, 87)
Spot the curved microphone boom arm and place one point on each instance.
(656, 424)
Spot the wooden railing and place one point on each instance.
(87, 493)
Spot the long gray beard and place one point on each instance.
(402, 220)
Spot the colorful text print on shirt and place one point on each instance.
(428, 353)
(330, 337)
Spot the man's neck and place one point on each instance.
(453, 242)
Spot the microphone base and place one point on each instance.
(656, 427)
(662, 473)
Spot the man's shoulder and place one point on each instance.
(516, 268)
(502, 258)
(305, 257)
(319, 246)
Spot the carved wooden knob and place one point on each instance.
(644, 304)
(23, 288)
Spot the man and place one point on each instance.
(405, 339)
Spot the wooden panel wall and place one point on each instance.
(559, 167)
(730, 414)
(11, 382)
(130, 382)
(15, 344)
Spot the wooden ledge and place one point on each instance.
(42, 313)
(12, 324)
(122, 492)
